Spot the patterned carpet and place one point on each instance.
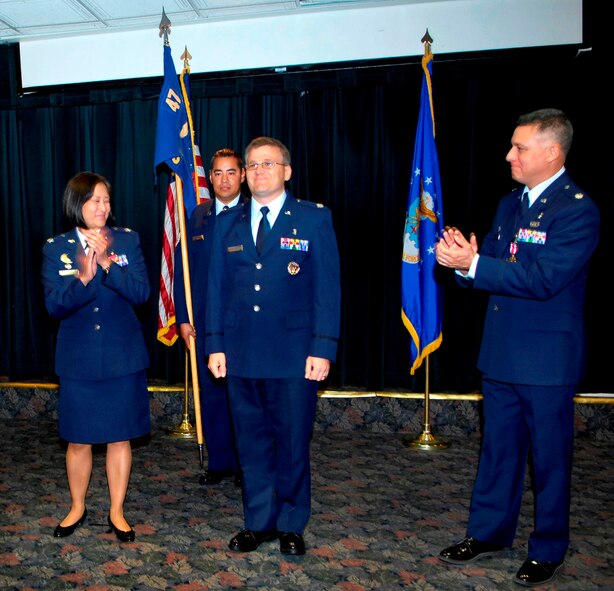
(381, 513)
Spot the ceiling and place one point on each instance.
(32, 19)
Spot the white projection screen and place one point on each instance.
(277, 42)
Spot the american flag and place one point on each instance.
(167, 328)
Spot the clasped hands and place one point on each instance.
(97, 243)
(455, 251)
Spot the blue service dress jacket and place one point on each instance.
(100, 336)
(268, 312)
(535, 268)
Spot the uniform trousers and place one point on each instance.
(215, 416)
(273, 420)
(525, 423)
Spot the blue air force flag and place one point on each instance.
(421, 302)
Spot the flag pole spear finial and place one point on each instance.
(186, 57)
(165, 27)
(427, 40)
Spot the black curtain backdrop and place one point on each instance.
(350, 130)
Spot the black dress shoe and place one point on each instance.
(248, 540)
(534, 572)
(291, 543)
(238, 479)
(215, 476)
(122, 536)
(63, 531)
(468, 550)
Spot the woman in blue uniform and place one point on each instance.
(93, 276)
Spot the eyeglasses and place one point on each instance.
(266, 165)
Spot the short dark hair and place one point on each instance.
(269, 141)
(226, 153)
(78, 190)
(553, 121)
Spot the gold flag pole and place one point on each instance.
(184, 430)
(188, 301)
(426, 439)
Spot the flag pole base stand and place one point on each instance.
(426, 440)
(184, 430)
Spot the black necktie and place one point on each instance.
(524, 203)
(263, 229)
(225, 208)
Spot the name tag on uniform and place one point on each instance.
(531, 236)
(294, 244)
(237, 248)
(66, 272)
(199, 237)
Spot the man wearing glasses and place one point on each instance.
(273, 307)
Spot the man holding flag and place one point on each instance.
(226, 175)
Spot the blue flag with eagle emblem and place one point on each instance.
(421, 301)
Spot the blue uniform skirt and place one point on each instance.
(103, 411)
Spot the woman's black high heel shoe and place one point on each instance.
(122, 536)
(63, 531)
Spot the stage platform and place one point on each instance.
(450, 415)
